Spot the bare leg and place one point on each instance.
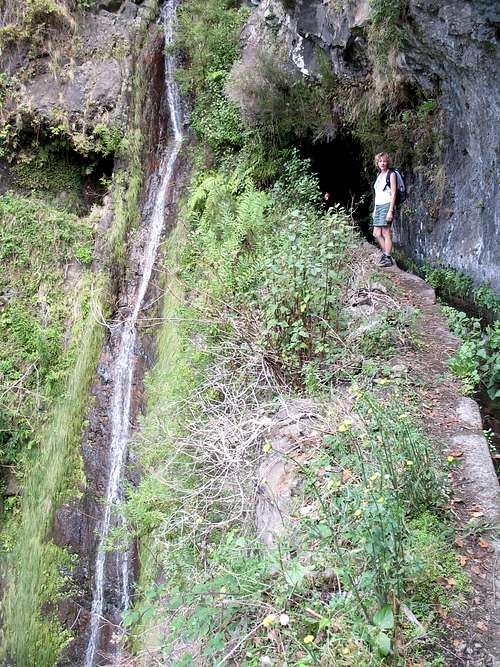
(379, 238)
(387, 240)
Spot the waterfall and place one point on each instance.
(124, 365)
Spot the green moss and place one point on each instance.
(127, 185)
(32, 634)
(37, 242)
(384, 33)
(436, 576)
(60, 173)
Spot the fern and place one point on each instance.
(228, 218)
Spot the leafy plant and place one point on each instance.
(425, 109)
(452, 283)
(478, 358)
(84, 255)
(302, 288)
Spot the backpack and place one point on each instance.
(400, 186)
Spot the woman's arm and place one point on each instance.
(394, 190)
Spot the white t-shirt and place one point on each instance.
(382, 196)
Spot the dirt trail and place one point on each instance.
(454, 424)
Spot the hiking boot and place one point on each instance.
(382, 259)
(386, 261)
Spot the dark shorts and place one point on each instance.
(380, 213)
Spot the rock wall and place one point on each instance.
(76, 77)
(111, 76)
(77, 522)
(449, 53)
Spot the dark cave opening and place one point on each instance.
(344, 173)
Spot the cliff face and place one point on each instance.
(447, 54)
(453, 46)
(87, 97)
(71, 70)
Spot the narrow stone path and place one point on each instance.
(454, 424)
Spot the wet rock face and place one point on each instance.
(449, 54)
(76, 523)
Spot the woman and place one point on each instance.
(385, 205)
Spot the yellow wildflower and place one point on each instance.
(269, 620)
(345, 426)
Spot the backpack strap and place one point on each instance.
(388, 179)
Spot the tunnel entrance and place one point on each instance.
(345, 175)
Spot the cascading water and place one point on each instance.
(124, 364)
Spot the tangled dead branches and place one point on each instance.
(212, 467)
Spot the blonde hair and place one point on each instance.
(386, 157)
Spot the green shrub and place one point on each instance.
(210, 54)
(287, 263)
(216, 121)
(486, 297)
(427, 108)
(452, 283)
(477, 361)
(208, 50)
(278, 102)
(301, 292)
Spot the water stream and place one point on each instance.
(124, 363)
